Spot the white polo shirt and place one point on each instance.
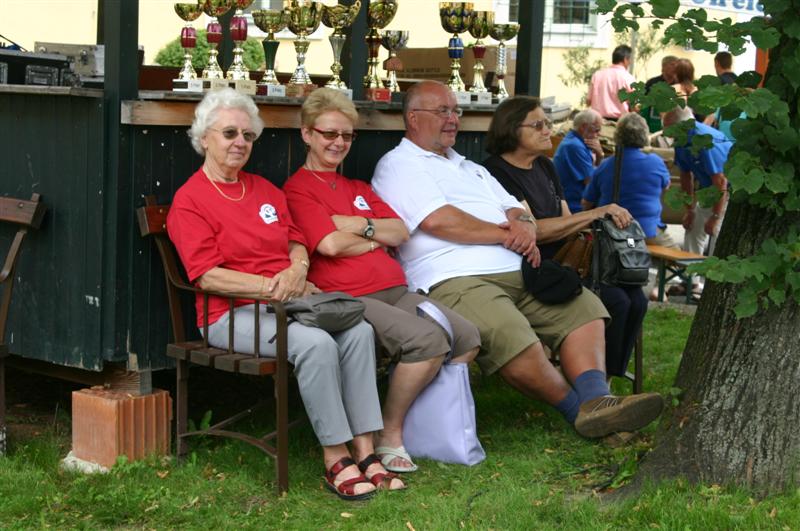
(415, 182)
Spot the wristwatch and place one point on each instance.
(528, 218)
(369, 230)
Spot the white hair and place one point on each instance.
(678, 114)
(587, 116)
(205, 114)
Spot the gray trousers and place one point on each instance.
(335, 372)
(696, 239)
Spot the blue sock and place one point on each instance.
(591, 384)
(569, 406)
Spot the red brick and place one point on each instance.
(107, 424)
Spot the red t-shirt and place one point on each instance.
(312, 203)
(251, 235)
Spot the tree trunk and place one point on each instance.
(738, 421)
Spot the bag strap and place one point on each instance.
(595, 257)
(427, 308)
(618, 150)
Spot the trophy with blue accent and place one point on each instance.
(456, 17)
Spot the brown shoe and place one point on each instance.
(609, 414)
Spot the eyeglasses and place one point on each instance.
(444, 112)
(539, 124)
(333, 135)
(231, 133)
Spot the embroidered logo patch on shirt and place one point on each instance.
(268, 213)
(361, 203)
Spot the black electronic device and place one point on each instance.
(27, 68)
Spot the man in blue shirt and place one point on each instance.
(697, 172)
(577, 155)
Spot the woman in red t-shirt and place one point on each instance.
(234, 234)
(349, 228)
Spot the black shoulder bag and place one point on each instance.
(620, 256)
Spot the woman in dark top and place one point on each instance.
(519, 135)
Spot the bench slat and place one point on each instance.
(22, 211)
(180, 351)
(258, 366)
(229, 362)
(669, 253)
(205, 356)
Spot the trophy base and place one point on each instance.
(482, 98)
(293, 90)
(378, 94)
(187, 85)
(213, 84)
(397, 97)
(271, 91)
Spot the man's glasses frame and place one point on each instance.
(333, 135)
(230, 133)
(444, 112)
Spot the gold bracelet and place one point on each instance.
(371, 246)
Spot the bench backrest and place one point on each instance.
(153, 223)
(25, 214)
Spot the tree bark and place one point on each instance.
(738, 421)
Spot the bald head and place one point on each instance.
(676, 115)
(430, 116)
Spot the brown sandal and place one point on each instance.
(346, 489)
(381, 480)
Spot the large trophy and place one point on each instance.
(502, 33)
(214, 9)
(304, 19)
(393, 40)
(379, 14)
(338, 17)
(188, 13)
(482, 22)
(270, 21)
(238, 26)
(456, 17)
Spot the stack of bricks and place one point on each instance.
(107, 424)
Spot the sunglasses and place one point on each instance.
(231, 133)
(333, 135)
(539, 124)
(444, 112)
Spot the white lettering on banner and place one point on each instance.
(734, 6)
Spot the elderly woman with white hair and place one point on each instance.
(234, 234)
(577, 155)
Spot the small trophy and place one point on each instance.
(188, 13)
(502, 33)
(214, 9)
(304, 19)
(270, 21)
(456, 17)
(482, 22)
(238, 70)
(379, 14)
(338, 17)
(393, 40)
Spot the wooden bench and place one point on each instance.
(26, 215)
(152, 223)
(674, 261)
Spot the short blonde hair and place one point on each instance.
(325, 100)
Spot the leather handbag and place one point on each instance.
(576, 252)
(332, 312)
(440, 424)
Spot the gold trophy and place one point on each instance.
(393, 40)
(188, 13)
(304, 19)
(214, 9)
(338, 17)
(238, 27)
(456, 17)
(502, 33)
(379, 14)
(482, 22)
(270, 21)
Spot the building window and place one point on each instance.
(513, 11)
(571, 11)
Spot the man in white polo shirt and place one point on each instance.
(468, 237)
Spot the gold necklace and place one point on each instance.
(332, 183)
(244, 189)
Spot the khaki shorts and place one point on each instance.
(509, 318)
(408, 338)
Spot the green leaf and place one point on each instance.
(780, 177)
(676, 199)
(606, 6)
(701, 142)
(759, 102)
(778, 296)
(680, 131)
(765, 38)
(749, 79)
(665, 8)
(746, 304)
(708, 196)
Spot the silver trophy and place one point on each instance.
(393, 40)
(338, 17)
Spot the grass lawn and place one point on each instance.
(538, 475)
